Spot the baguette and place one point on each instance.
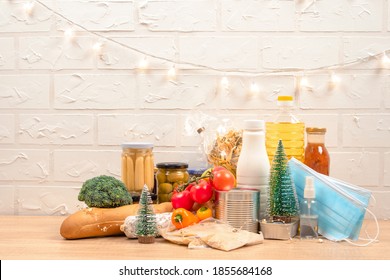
(94, 222)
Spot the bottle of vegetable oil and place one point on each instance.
(288, 128)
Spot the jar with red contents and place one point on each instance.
(316, 154)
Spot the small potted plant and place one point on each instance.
(146, 224)
(283, 206)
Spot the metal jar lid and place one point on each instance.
(137, 145)
(315, 129)
(172, 165)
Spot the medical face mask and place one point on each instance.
(340, 206)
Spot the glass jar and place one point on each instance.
(316, 154)
(137, 166)
(169, 176)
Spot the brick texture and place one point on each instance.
(68, 103)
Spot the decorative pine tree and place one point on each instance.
(146, 224)
(283, 200)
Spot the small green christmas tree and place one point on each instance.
(146, 224)
(283, 200)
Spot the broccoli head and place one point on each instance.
(104, 192)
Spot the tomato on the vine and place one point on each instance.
(202, 191)
(223, 180)
(182, 200)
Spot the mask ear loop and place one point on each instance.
(371, 240)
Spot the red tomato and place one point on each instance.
(217, 168)
(202, 191)
(223, 180)
(182, 200)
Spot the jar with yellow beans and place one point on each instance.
(137, 166)
(169, 176)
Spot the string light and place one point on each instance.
(97, 47)
(385, 60)
(254, 89)
(304, 82)
(239, 72)
(69, 33)
(172, 73)
(225, 82)
(28, 7)
(143, 64)
(334, 80)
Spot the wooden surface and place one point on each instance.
(24, 237)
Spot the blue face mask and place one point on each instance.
(340, 206)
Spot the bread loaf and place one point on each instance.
(93, 222)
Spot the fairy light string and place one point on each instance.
(301, 75)
(334, 79)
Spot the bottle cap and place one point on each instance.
(309, 191)
(285, 100)
(254, 125)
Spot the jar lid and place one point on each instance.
(197, 171)
(137, 145)
(315, 129)
(172, 165)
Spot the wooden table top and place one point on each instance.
(38, 237)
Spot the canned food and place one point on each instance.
(137, 166)
(239, 208)
(169, 176)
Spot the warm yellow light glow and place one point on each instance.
(69, 33)
(97, 47)
(172, 73)
(143, 64)
(224, 82)
(385, 60)
(304, 82)
(335, 79)
(254, 88)
(28, 7)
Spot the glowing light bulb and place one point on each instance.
(254, 89)
(385, 60)
(69, 33)
(304, 82)
(97, 47)
(172, 73)
(225, 82)
(335, 79)
(28, 7)
(143, 64)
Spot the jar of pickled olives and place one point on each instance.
(169, 176)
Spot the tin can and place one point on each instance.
(137, 166)
(239, 208)
(168, 177)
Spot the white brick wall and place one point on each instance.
(65, 108)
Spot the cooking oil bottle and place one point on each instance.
(286, 127)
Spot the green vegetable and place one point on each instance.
(104, 192)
